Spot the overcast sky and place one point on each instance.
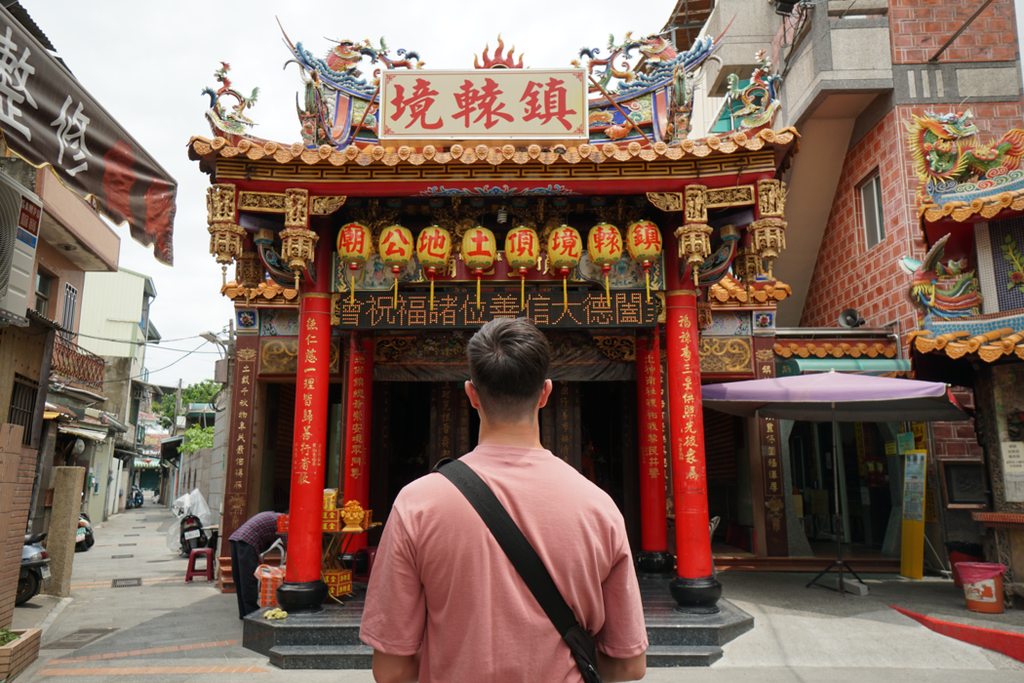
(147, 64)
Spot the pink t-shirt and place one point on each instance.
(441, 583)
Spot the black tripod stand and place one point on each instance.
(837, 521)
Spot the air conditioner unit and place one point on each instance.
(20, 214)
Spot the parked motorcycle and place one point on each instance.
(134, 498)
(84, 538)
(194, 516)
(35, 569)
(192, 534)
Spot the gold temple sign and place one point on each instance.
(458, 310)
(483, 105)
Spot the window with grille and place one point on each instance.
(23, 405)
(67, 320)
(871, 206)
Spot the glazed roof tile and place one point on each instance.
(988, 346)
(835, 349)
(729, 290)
(200, 147)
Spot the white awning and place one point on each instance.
(84, 433)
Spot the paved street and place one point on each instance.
(165, 629)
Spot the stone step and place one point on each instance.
(659, 656)
(361, 656)
(321, 656)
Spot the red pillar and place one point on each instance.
(654, 556)
(694, 588)
(303, 587)
(357, 427)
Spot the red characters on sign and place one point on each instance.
(484, 101)
(418, 104)
(552, 106)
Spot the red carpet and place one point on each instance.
(1009, 644)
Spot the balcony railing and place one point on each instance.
(75, 364)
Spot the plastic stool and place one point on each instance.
(192, 571)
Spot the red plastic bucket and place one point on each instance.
(983, 586)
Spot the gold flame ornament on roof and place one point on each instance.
(522, 249)
(565, 246)
(643, 240)
(354, 246)
(433, 248)
(604, 246)
(395, 246)
(479, 249)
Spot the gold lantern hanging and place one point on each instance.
(643, 240)
(768, 238)
(479, 249)
(604, 247)
(226, 245)
(354, 246)
(694, 244)
(522, 249)
(433, 248)
(297, 249)
(565, 246)
(395, 246)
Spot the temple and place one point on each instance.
(420, 204)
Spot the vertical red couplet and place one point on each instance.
(653, 521)
(686, 424)
(357, 427)
(309, 441)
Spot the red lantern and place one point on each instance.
(395, 246)
(354, 247)
(604, 246)
(522, 249)
(479, 249)
(643, 240)
(433, 249)
(565, 246)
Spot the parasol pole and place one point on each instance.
(838, 519)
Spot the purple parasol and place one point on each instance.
(829, 396)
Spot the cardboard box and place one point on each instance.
(339, 581)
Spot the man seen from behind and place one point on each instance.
(445, 604)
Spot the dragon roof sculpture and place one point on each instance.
(960, 175)
(642, 91)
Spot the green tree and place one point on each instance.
(203, 392)
(196, 438)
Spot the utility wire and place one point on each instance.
(127, 379)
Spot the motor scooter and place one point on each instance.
(136, 497)
(35, 569)
(192, 534)
(84, 538)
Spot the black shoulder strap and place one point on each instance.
(511, 539)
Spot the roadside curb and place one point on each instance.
(54, 613)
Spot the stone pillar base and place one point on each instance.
(696, 596)
(655, 562)
(302, 597)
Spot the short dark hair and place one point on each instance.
(508, 363)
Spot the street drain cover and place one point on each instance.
(138, 527)
(121, 545)
(127, 535)
(120, 557)
(82, 636)
(125, 583)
